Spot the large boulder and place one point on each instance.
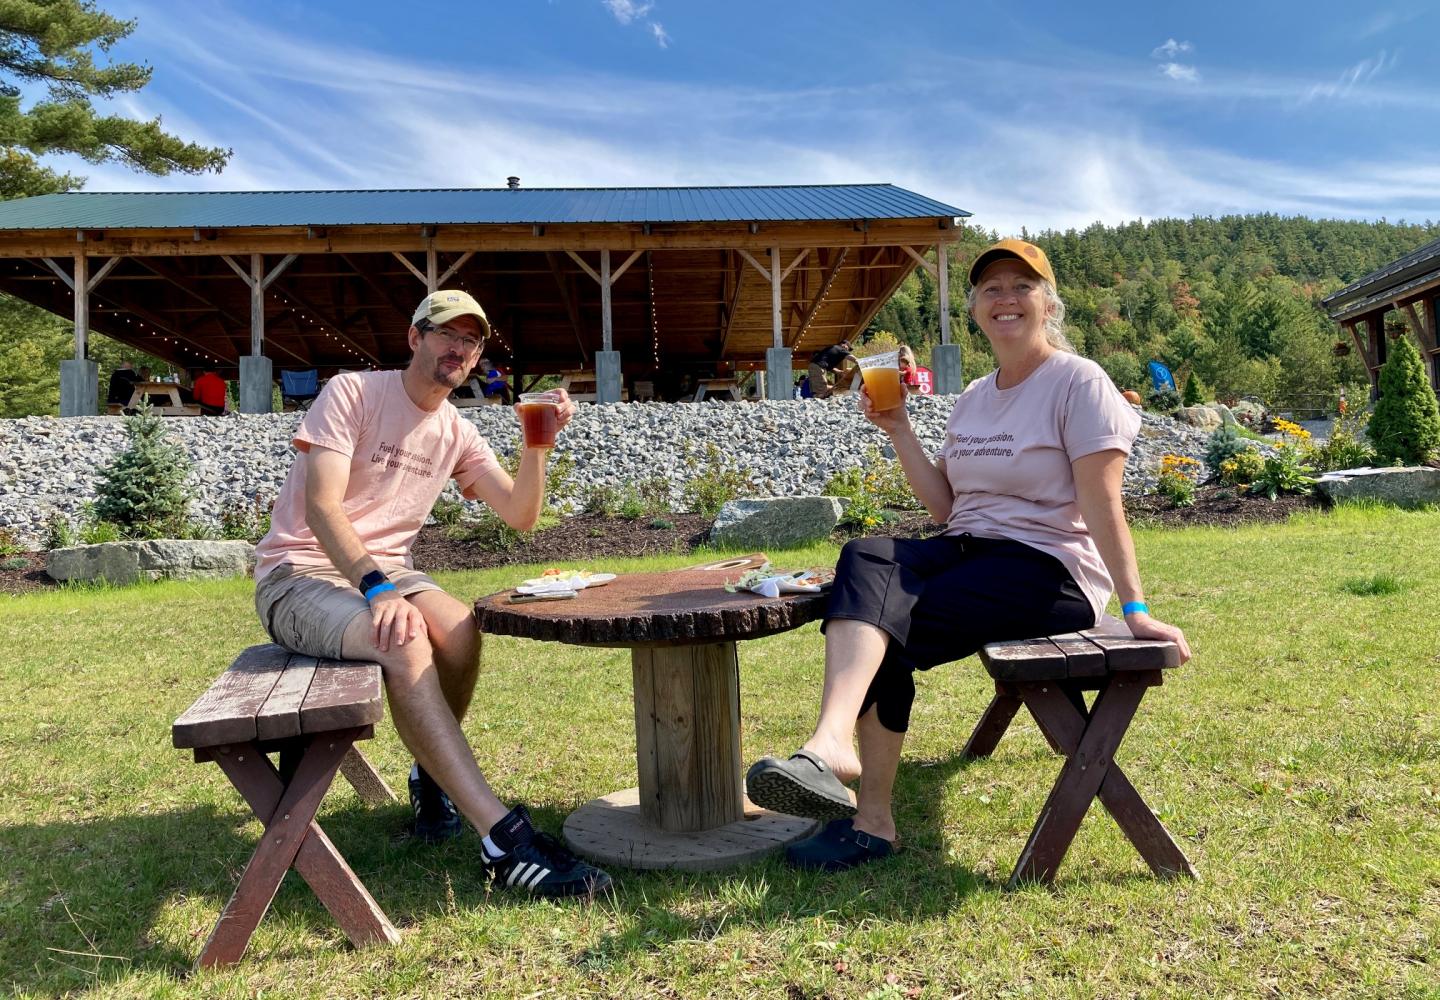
(775, 522)
(160, 559)
(1200, 416)
(1405, 487)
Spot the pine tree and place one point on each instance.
(1406, 423)
(1194, 391)
(53, 43)
(143, 491)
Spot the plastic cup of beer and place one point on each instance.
(539, 419)
(881, 373)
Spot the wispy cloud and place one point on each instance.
(1171, 49)
(302, 111)
(1352, 78)
(1384, 21)
(1177, 71)
(631, 11)
(1171, 68)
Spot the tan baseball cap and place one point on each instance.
(1026, 253)
(443, 306)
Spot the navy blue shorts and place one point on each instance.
(941, 599)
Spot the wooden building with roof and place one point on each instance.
(628, 282)
(1411, 286)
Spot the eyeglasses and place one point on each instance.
(460, 341)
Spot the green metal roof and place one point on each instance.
(468, 206)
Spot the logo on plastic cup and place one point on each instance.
(890, 359)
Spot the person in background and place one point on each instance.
(122, 383)
(909, 370)
(210, 392)
(492, 381)
(1027, 481)
(822, 366)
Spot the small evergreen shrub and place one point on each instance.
(143, 492)
(14, 563)
(1405, 426)
(1224, 444)
(662, 524)
(1195, 392)
(1163, 401)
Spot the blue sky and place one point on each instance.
(1043, 115)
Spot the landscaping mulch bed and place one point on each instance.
(1220, 506)
(586, 538)
(578, 539)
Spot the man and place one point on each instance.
(822, 363)
(209, 391)
(334, 577)
(122, 383)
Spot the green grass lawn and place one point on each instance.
(1296, 758)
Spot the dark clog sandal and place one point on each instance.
(801, 786)
(836, 847)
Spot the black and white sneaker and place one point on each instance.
(436, 817)
(537, 863)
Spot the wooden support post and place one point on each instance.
(942, 278)
(257, 304)
(81, 288)
(777, 330)
(606, 319)
(687, 725)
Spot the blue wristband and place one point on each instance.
(1135, 608)
(379, 588)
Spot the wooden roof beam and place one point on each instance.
(831, 273)
(567, 297)
(732, 306)
(329, 323)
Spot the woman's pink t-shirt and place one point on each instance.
(400, 458)
(1007, 455)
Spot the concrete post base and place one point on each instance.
(79, 388)
(257, 384)
(607, 377)
(779, 378)
(945, 362)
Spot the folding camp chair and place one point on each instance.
(299, 388)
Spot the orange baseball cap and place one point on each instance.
(1026, 253)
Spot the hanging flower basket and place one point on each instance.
(1395, 333)
(1342, 349)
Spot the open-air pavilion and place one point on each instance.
(631, 283)
(1410, 285)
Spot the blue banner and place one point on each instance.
(1161, 378)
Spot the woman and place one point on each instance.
(909, 371)
(1028, 484)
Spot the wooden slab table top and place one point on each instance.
(689, 810)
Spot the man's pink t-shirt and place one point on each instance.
(1007, 455)
(400, 458)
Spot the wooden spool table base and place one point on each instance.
(611, 830)
(689, 810)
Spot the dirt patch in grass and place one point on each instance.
(17, 579)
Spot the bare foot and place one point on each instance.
(839, 758)
(878, 826)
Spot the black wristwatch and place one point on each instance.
(372, 579)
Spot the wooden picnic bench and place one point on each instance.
(311, 712)
(1049, 677)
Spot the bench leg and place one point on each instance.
(1085, 768)
(366, 781)
(1140, 825)
(993, 723)
(291, 838)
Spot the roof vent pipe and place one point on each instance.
(513, 183)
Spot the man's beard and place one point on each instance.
(450, 378)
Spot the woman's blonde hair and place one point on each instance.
(907, 352)
(1054, 314)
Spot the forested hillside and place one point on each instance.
(1235, 300)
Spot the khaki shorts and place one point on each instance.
(307, 610)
